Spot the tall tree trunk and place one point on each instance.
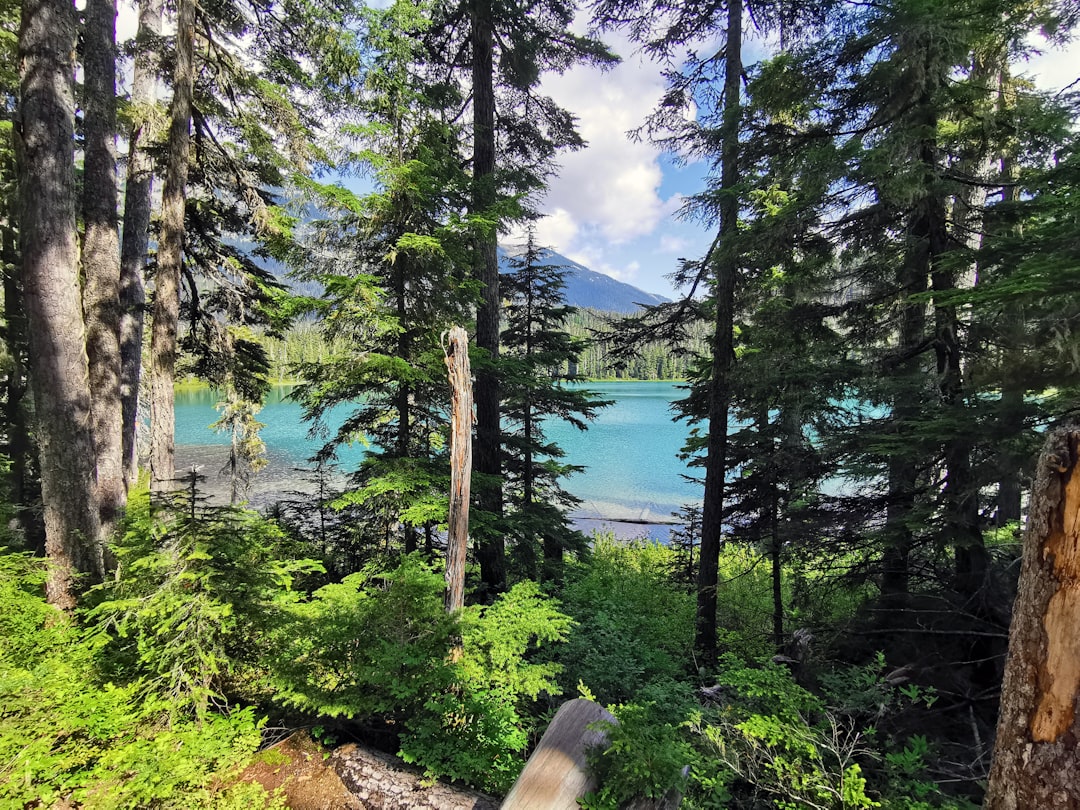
(166, 311)
(1036, 756)
(19, 446)
(136, 242)
(461, 417)
(1011, 404)
(723, 354)
(490, 551)
(101, 255)
(60, 378)
(404, 409)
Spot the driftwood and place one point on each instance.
(461, 419)
(382, 782)
(557, 775)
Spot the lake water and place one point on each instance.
(632, 482)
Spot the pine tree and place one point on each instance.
(390, 269)
(166, 307)
(135, 246)
(101, 254)
(499, 53)
(536, 348)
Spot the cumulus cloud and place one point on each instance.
(672, 244)
(611, 188)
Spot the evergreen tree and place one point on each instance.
(166, 307)
(712, 85)
(101, 253)
(49, 253)
(498, 52)
(135, 246)
(402, 289)
(536, 348)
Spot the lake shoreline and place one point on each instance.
(633, 482)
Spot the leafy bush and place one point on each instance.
(67, 734)
(195, 591)
(478, 730)
(381, 645)
(648, 753)
(633, 625)
(373, 644)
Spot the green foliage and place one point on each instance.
(647, 753)
(762, 740)
(195, 589)
(380, 646)
(478, 730)
(634, 625)
(67, 734)
(373, 644)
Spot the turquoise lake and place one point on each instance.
(632, 482)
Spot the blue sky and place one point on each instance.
(614, 206)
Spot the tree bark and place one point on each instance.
(1036, 755)
(19, 446)
(490, 551)
(381, 781)
(101, 255)
(60, 377)
(166, 310)
(136, 242)
(723, 354)
(461, 418)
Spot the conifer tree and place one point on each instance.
(49, 254)
(536, 349)
(712, 84)
(498, 53)
(135, 246)
(166, 307)
(101, 253)
(390, 268)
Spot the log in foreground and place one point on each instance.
(556, 775)
(1037, 751)
(382, 782)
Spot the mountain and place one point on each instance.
(586, 288)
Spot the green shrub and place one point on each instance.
(373, 644)
(633, 625)
(648, 753)
(195, 593)
(379, 645)
(67, 733)
(478, 730)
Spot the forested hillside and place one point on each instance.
(876, 339)
(596, 359)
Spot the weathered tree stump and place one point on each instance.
(461, 421)
(1037, 752)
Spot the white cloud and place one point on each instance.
(1056, 66)
(556, 228)
(611, 187)
(672, 244)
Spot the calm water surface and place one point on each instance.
(632, 482)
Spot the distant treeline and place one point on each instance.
(650, 361)
(304, 343)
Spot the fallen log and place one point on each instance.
(556, 775)
(383, 782)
